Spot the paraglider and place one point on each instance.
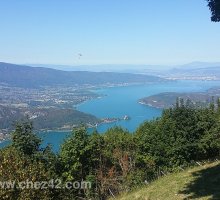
(79, 55)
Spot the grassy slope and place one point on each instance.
(197, 183)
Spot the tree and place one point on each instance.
(16, 167)
(24, 161)
(214, 6)
(75, 159)
(24, 140)
(218, 105)
(75, 155)
(119, 157)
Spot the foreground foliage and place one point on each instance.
(214, 6)
(116, 161)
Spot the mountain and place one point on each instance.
(123, 68)
(196, 70)
(193, 70)
(198, 65)
(25, 76)
(199, 68)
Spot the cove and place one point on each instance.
(120, 101)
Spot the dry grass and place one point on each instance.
(197, 183)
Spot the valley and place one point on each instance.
(49, 97)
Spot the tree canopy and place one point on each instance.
(214, 6)
(117, 160)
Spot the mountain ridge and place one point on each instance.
(26, 76)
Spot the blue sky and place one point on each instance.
(107, 32)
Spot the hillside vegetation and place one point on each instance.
(168, 99)
(118, 161)
(201, 182)
(45, 118)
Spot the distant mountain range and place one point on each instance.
(124, 68)
(197, 65)
(194, 70)
(197, 69)
(26, 76)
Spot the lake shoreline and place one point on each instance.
(120, 101)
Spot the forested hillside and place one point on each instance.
(45, 118)
(116, 161)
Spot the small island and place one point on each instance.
(114, 119)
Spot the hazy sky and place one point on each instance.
(107, 32)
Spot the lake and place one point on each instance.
(120, 101)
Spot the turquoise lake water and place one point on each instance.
(120, 101)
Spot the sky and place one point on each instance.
(161, 32)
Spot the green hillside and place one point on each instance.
(201, 182)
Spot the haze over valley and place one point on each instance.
(193, 70)
(114, 99)
(43, 94)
